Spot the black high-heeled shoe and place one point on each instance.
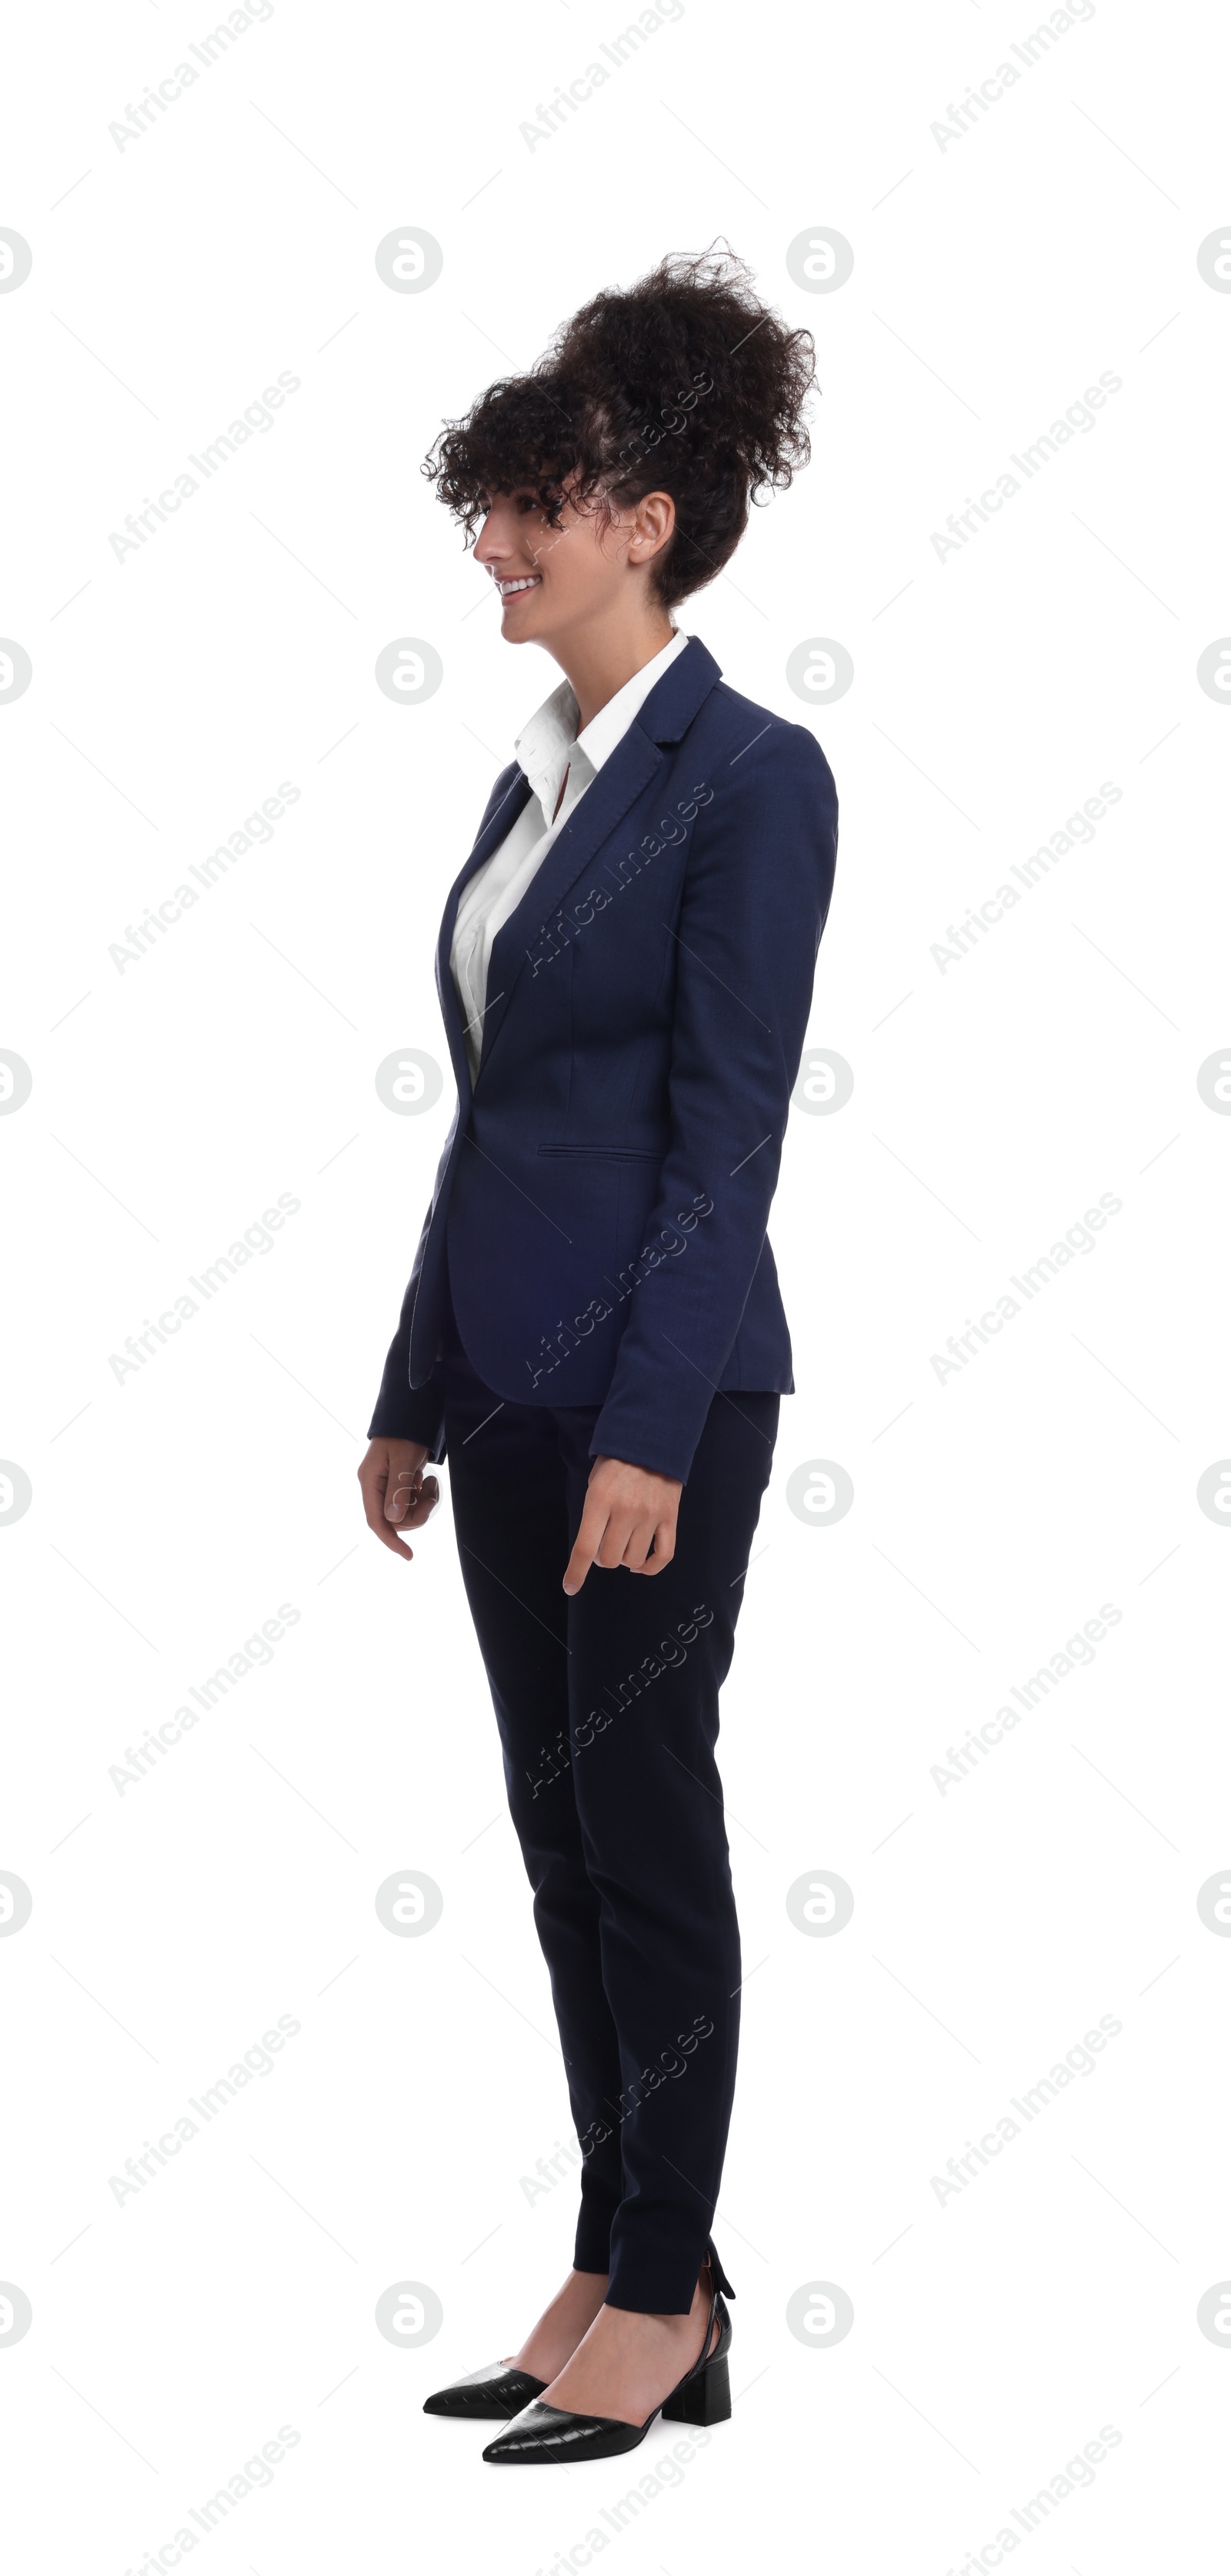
(552, 2433)
(501, 2391)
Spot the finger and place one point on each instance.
(423, 1504)
(586, 1544)
(664, 1547)
(640, 1541)
(618, 1538)
(402, 1492)
(376, 1521)
(664, 1550)
(373, 1492)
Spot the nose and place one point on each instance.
(496, 542)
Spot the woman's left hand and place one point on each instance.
(628, 1511)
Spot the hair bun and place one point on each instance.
(685, 383)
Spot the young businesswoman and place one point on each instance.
(593, 1331)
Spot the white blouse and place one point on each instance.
(551, 752)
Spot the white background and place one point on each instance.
(994, 1513)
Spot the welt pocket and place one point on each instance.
(610, 1153)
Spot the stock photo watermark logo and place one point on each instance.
(1033, 49)
(256, 2472)
(256, 2062)
(1037, 2510)
(256, 827)
(1078, 2062)
(256, 1241)
(1213, 2314)
(819, 1493)
(409, 260)
(820, 260)
(139, 1760)
(409, 2313)
(16, 1904)
(258, 418)
(409, 670)
(1079, 419)
(16, 1082)
(16, 1492)
(819, 670)
(212, 49)
(1077, 827)
(1213, 259)
(1213, 1904)
(409, 1903)
(821, 2314)
(826, 1082)
(1214, 1492)
(1213, 670)
(16, 670)
(1214, 1080)
(16, 2313)
(548, 120)
(666, 2475)
(1081, 1238)
(820, 1903)
(409, 1082)
(1079, 1649)
(16, 260)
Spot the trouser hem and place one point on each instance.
(660, 2281)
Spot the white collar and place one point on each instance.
(550, 742)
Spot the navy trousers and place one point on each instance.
(607, 1706)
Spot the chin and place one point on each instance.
(520, 627)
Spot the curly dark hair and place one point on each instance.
(684, 383)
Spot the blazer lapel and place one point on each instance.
(499, 823)
(620, 781)
(664, 718)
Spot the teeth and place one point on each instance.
(507, 588)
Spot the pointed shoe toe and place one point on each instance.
(495, 2394)
(543, 2434)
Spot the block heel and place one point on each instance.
(704, 2400)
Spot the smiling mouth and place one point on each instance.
(510, 589)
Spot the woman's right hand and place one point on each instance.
(396, 1494)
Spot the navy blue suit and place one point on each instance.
(594, 1278)
(601, 1203)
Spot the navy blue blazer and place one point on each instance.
(602, 1197)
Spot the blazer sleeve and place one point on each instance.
(756, 894)
(403, 1411)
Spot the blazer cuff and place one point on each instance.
(412, 1413)
(664, 1441)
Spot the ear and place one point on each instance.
(653, 524)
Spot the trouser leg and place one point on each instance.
(510, 1513)
(607, 1707)
(648, 1657)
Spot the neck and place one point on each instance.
(599, 661)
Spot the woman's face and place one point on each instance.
(553, 581)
